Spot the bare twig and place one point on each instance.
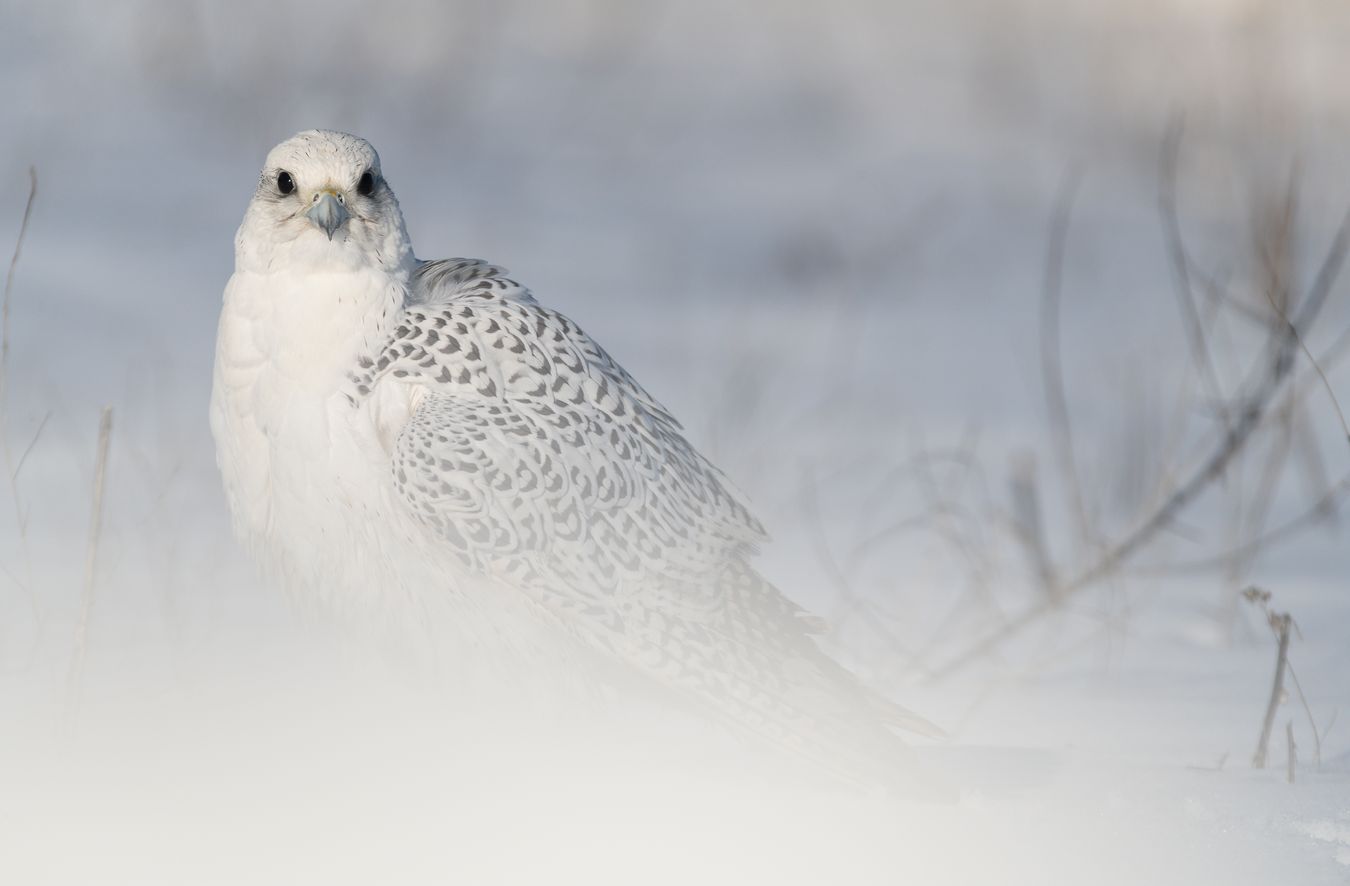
(90, 564)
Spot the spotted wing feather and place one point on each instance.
(538, 459)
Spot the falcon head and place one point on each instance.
(322, 202)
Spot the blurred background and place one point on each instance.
(965, 296)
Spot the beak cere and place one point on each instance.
(327, 213)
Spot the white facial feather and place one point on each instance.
(278, 234)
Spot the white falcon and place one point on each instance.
(392, 429)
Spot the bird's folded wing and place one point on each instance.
(537, 459)
(532, 443)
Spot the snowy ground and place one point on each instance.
(820, 239)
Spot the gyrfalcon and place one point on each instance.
(395, 431)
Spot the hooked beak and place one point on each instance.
(327, 213)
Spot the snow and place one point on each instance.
(820, 239)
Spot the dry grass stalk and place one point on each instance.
(1051, 370)
(9, 286)
(12, 468)
(1307, 709)
(1292, 759)
(1029, 526)
(1181, 266)
(1282, 624)
(90, 564)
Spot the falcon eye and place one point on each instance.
(285, 184)
(366, 186)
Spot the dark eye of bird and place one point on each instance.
(285, 184)
(366, 186)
